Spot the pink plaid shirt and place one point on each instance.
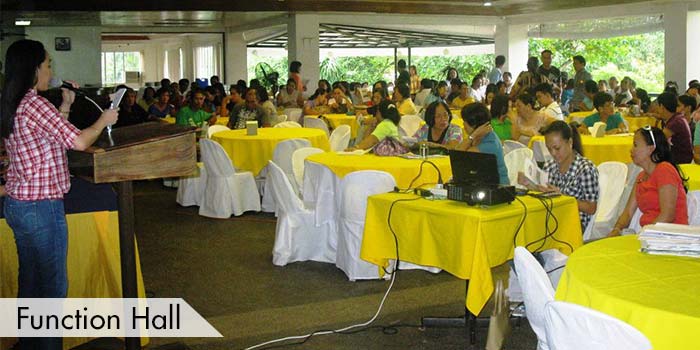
(37, 150)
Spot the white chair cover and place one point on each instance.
(693, 203)
(612, 185)
(298, 163)
(540, 151)
(517, 160)
(410, 124)
(293, 114)
(574, 327)
(191, 188)
(226, 192)
(291, 124)
(354, 190)
(340, 138)
(296, 236)
(360, 129)
(537, 291)
(281, 118)
(282, 156)
(316, 123)
(216, 128)
(634, 222)
(509, 145)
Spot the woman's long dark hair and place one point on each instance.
(566, 132)
(662, 151)
(389, 111)
(21, 63)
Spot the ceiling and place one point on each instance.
(217, 14)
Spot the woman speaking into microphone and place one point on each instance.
(36, 137)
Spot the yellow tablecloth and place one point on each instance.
(603, 149)
(658, 295)
(462, 240)
(94, 269)
(336, 120)
(692, 172)
(251, 153)
(403, 170)
(219, 121)
(634, 122)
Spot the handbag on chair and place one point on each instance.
(390, 147)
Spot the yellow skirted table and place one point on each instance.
(251, 153)
(93, 265)
(462, 240)
(403, 170)
(336, 120)
(633, 122)
(656, 294)
(692, 172)
(219, 121)
(603, 149)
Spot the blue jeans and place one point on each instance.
(41, 236)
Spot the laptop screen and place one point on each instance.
(474, 168)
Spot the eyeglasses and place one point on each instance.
(651, 133)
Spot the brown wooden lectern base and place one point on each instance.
(144, 151)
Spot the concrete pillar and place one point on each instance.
(692, 40)
(675, 43)
(302, 46)
(236, 58)
(511, 41)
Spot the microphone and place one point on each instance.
(67, 85)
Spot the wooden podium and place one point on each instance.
(144, 151)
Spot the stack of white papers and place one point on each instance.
(671, 239)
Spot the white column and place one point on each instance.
(676, 44)
(511, 41)
(302, 46)
(236, 58)
(692, 40)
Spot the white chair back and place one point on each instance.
(216, 161)
(352, 201)
(693, 203)
(517, 160)
(410, 124)
(288, 125)
(282, 156)
(316, 123)
(634, 222)
(574, 327)
(293, 114)
(216, 128)
(612, 185)
(340, 138)
(298, 162)
(281, 118)
(282, 190)
(537, 292)
(540, 151)
(509, 145)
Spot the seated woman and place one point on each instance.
(464, 98)
(439, 94)
(162, 107)
(387, 117)
(569, 172)
(658, 192)
(590, 88)
(603, 103)
(149, 97)
(267, 105)
(317, 103)
(500, 121)
(290, 97)
(482, 138)
(529, 120)
(437, 130)
(402, 97)
(339, 103)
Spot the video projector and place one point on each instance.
(483, 194)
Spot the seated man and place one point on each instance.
(606, 114)
(194, 113)
(550, 107)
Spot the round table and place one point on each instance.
(603, 149)
(636, 123)
(336, 120)
(251, 153)
(219, 121)
(692, 172)
(656, 294)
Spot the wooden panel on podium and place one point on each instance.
(138, 152)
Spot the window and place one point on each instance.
(205, 66)
(166, 68)
(116, 64)
(182, 62)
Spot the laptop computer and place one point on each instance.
(474, 168)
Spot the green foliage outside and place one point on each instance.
(640, 57)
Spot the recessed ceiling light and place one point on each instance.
(22, 22)
(488, 3)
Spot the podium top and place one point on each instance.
(137, 134)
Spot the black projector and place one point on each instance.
(480, 194)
